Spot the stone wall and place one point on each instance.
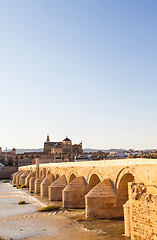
(143, 170)
(142, 204)
(6, 172)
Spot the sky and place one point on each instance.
(86, 69)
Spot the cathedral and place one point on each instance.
(62, 150)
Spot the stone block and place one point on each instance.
(32, 184)
(37, 185)
(23, 177)
(14, 177)
(74, 193)
(56, 188)
(101, 201)
(27, 179)
(18, 178)
(45, 184)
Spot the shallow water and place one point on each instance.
(21, 222)
(9, 198)
(18, 221)
(108, 229)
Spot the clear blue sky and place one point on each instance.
(83, 68)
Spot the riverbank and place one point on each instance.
(25, 222)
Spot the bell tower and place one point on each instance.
(48, 138)
(0, 151)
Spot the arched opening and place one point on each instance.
(48, 172)
(57, 176)
(122, 194)
(41, 174)
(50, 177)
(93, 181)
(72, 177)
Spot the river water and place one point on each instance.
(24, 222)
(108, 229)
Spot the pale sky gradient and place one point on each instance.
(83, 68)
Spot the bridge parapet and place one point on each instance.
(143, 170)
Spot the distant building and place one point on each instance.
(7, 157)
(52, 152)
(62, 150)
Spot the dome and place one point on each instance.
(66, 140)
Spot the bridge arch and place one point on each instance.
(48, 172)
(124, 178)
(93, 181)
(122, 172)
(72, 176)
(57, 176)
(41, 173)
(92, 174)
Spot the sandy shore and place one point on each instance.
(25, 222)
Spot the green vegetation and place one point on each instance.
(5, 181)
(20, 186)
(133, 156)
(49, 208)
(152, 156)
(80, 219)
(21, 202)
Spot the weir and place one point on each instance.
(101, 187)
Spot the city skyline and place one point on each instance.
(84, 69)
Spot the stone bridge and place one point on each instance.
(101, 187)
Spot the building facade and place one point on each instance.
(63, 150)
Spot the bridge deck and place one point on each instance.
(101, 163)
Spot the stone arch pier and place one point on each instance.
(101, 187)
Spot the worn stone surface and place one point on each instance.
(143, 170)
(144, 216)
(18, 177)
(45, 184)
(74, 194)
(101, 201)
(32, 184)
(23, 177)
(56, 188)
(37, 185)
(14, 177)
(27, 179)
